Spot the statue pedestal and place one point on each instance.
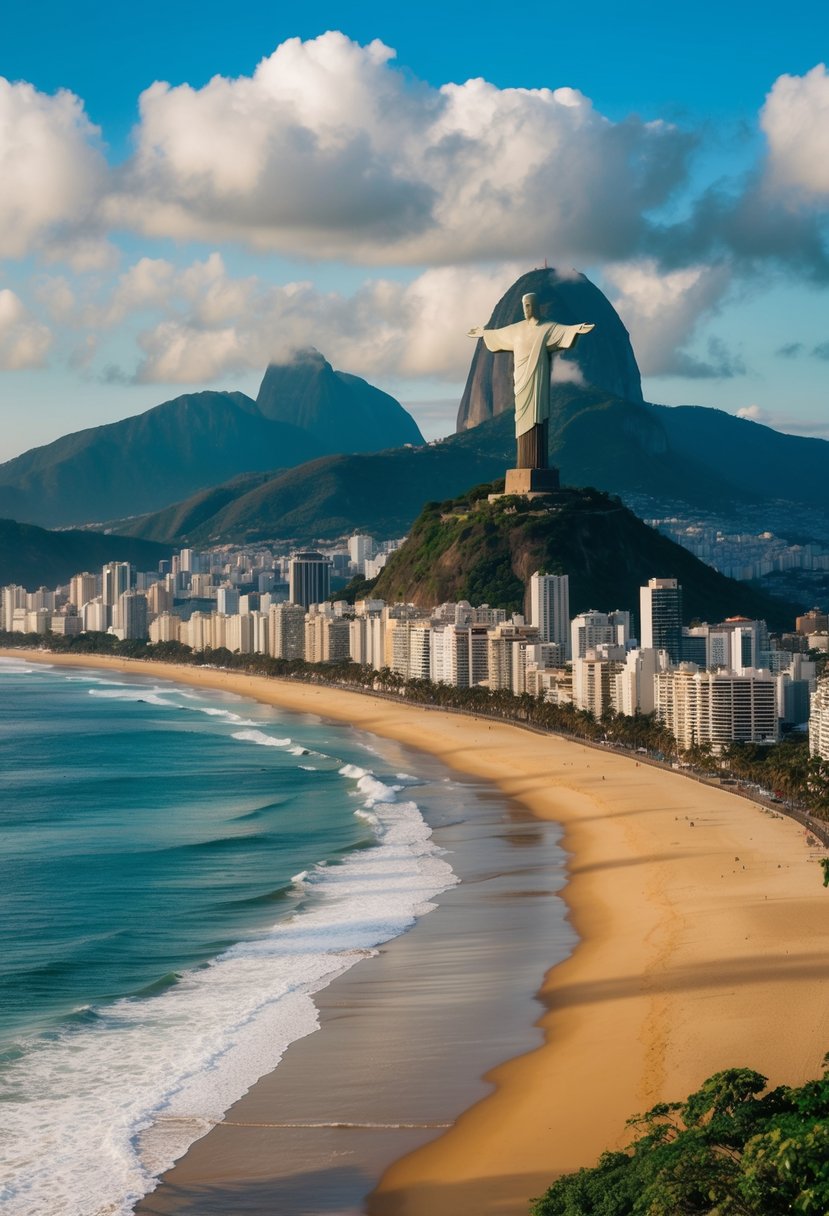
(531, 481)
(528, 483)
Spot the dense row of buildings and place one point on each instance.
(742, 555)
(710, 683)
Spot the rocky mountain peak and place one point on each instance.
(605, 360)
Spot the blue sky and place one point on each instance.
(377, 205)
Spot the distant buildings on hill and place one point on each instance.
(710, 684)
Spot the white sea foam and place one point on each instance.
(259, 736)
(110, 1105)
(226, 714)
(135, 692)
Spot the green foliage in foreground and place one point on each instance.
(729, 1150)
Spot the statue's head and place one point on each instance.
(529, 303)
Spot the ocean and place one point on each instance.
(180, 871)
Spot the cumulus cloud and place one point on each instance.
(213, 324)
(795, 119)
(328, 150)
(24, 341)
(790, 350)
(821, 351)
(50, 167)
(662, 311)
(817, 428)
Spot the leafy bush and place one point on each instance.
(728, 1150)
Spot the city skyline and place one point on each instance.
(151, 244)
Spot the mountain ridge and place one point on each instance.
(595, 439)
(194, 442)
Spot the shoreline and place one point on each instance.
(702, 927)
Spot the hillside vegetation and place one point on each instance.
(729, 1148)
(468, 548)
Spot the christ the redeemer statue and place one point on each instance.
(533, 343)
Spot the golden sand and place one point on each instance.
(704, 929)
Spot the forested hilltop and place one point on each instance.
(467, 548)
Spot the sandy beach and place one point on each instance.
(703, 928)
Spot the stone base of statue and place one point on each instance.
(529, 483)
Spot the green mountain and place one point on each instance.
(33, 557)
(638, 451)
(342, 412)
(470, 549)
(381, 492)
(304, 410)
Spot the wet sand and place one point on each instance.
(703, 929)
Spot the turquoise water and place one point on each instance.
(179, 872)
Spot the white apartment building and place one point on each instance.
(591, 629)
(361, 548)
(459, 655)
(82, 587)
(286, 626)
(594, 678)
(507, 656)
(227, 600)
(13, 597)
(819, 720)
(326, 638)
(408, 647)
(96, 615)
(717, 707)
(115, 580)
(165, 628)
(65, 625)
(550, 608)
(553, 684)
(132, 616)
(367, 639)
(660, 617)
(634, 691)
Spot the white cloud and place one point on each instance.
(24, 341)
(816, 428)
(328, 150)
(795, 119)
(662, 311)
(50, 168)
(213, 324)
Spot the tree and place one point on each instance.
(728, 1150)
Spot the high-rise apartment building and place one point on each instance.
(717, 707)
(660, 617)
(361, 548)
(309, 579)
(132, 615)
(227, 600)
(550, 608)
(591, 629)
(819, 721)
(13, 597)
(115, 580)
(286, 627)
(82, 588)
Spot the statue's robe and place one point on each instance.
(532, 343)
